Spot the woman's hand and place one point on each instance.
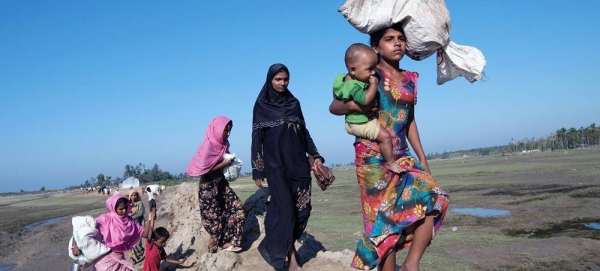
(340, 108)
(369, 109)
(75, 250)
(316, 164)
(425, 165)
(259, 182)
(222, 164)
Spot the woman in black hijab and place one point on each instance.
(280, 142)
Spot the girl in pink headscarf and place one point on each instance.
(119, 232)
(221, 209)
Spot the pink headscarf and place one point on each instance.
(121, 233)
(211, 149)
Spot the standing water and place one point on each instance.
(595, 226)
(480, 212)
(4, 267)
(43, 223)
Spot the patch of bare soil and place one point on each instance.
(550, 209)
(189, 238)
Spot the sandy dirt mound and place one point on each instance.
(189, 238)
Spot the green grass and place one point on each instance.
(62, 200)
(336, 219)
(523, 181)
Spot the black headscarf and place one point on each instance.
(274, 108)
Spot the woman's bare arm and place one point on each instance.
(415, 140)
(223, 164)
(340, 108)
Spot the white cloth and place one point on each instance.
(427, 26)
(87, 237)
(232, 172)
(154, 191)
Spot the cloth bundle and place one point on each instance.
(427, 26)
(87, 237)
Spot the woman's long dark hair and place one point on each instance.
(376, 36)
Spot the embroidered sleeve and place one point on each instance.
(258, 164)
(311, 148)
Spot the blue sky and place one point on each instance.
(89, 86)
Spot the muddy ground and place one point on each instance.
(552, 199)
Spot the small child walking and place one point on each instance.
(155, 251)
(360, 86)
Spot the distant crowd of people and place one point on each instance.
(104, 190)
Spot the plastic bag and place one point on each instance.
(87, 237)
(232, 172)
(457, 60)
(426, 23)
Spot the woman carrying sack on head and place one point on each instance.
(399, 210)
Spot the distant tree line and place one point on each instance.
(101, 180)
(145, 175)
(560, 139)
(152, 175)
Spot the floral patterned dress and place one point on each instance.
(222, 211)
(392, 203)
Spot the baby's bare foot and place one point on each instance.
(394, 167)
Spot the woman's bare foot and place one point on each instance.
(230, 247)
(226, 245)
(406, 267)
(294, 266)
(394, 167)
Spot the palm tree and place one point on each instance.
(594, 134)
(561, 135)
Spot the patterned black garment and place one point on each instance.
(222, 211)
(280, 142)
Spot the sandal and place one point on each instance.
(233, 248)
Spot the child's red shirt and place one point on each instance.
(153, 256)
